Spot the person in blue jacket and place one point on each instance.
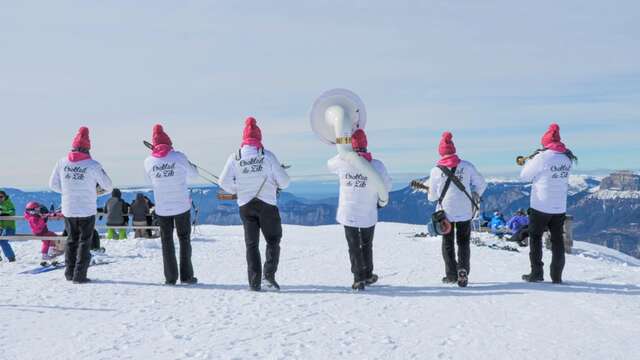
(497, 223)
(519, 226)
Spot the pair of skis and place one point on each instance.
(55, 264)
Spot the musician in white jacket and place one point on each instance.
(77, 177)
(169, 171)
(358, 209)
(255, 175)
(458, 206)
(549, 173)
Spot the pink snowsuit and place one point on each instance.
(38, 225)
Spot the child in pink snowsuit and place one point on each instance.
(38, 224)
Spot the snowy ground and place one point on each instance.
(127, 314)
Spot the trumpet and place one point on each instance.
(521, 160)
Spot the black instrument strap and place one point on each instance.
(446, 188)
(451, 174)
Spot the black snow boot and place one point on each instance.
(358, 285)
(449, 279)
(371, 279)
(192, 281)
(532, 278)
(82, 281)
(271, 282)
(463, 279)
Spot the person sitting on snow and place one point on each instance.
(519, 227)
(498, 224)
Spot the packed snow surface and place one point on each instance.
(127, 312)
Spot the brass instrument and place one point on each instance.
(521, 160)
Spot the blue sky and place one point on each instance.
(495, 73)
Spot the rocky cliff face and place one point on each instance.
(621, 181)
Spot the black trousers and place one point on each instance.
(360, 241)
(521, 234)
(462, 232)
(539, 222)
(257, 215)
(77, 250)
(182, 225)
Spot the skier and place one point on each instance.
(7, 227)
(36, 215)
(255, 175)
(358, 209)
(117, 215)
(168, 172)
(453, 196)
(77, 176)
(549, 172)
(139, 213)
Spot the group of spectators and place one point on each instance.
(117, 212)
(517, 226)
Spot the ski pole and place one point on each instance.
(205, 171)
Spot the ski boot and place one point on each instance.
(532, 278)
(463, 279)
(271, 282)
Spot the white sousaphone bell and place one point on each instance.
(335, 115)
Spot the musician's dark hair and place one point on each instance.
(571, 156)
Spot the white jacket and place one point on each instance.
(77, 181)
(253, 173)
(549, 173)
(358, 204)
(456, 204)
(169, 176)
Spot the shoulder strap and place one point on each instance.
(451, 175)
(446, 186)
